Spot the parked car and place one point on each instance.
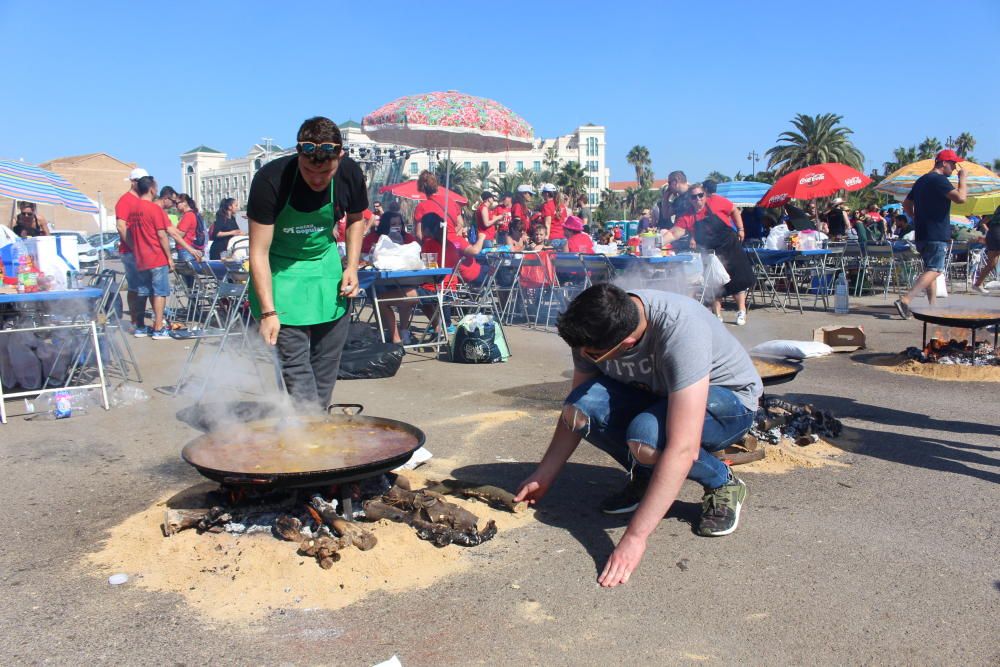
(86, 252)
(109, 247)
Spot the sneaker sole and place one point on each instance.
(736, 521)
(901, 310)
(628, 509)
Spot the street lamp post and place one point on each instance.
(753, 157)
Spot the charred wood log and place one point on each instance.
(324, 549)
(436, 533)
(432, 507)
(357, 535)
(491, 495)
(289, 528)
(175, 521)
(214, 520)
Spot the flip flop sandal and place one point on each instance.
(747, 451)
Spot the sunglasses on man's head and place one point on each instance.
(324, 151)
(603, 356)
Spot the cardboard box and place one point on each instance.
(841, 339)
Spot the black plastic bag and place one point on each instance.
(366, 358)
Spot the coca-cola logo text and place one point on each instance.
(853, 180)
(811, 179)
(777, 199)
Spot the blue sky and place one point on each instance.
(699, 84)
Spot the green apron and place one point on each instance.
(306, 268)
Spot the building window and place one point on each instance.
(520, 165)
(414, 168)
(592, 198)
(536, 166)
(592, 165)
(593, 182)
(503, 167)
(256, 164)
(592, 146)
(244, 181)
(484, 165)
(467, 165)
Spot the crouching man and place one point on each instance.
(659, 384)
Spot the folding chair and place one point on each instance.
(879, 267)
(533, 276)
(767, 275)
(568, 278)
(958, 264)
(599, 269)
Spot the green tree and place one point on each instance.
(639, 158)
(996, 165)
(483, 177)
(610, 208)
(901, 156)
(572, 179)
(815, 140)
(551, 159)
(508, 182)
(458, 178)
(758, 177)
(717, 176)
(928, 148)
(965, 144)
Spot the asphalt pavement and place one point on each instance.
(890, 560)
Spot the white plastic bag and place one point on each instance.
(777, 238)
(942, 286)
(716, 276)
(792, 349)
(390, 256)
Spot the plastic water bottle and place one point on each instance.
(841, 304)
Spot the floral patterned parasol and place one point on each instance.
(449, 120)
(980, 180)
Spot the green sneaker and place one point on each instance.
(720, 508)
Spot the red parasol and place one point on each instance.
(819, 180)
(408, 190)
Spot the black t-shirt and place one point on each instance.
(835, 222)
(932, 208)
(280, 178)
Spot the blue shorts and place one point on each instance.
(934, 254)
(131, 272)
(154, 282)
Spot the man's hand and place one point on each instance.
(198, 255)
(349, 283)
(961, 173)
(269, 328)
(623, 561)
(534, 488)
(170, 263)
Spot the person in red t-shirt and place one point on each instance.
(502, 210)
(576, 239)
(522, 205)
(550, 214)
(437, 200)
(487, 218)
(390, 224)
(147, 237)
(188, 230)
(127, 206)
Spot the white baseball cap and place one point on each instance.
(526, 188)
(548, 187)
(137, 173)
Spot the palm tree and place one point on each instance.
(965, 144)
(459, 179)
(483, 177)
(816, 139)
(718, 177)
(639, 158)
(996, 165)
(551, 159)
(901, 157)
(508, 182)
(928, 148)
(572, 179)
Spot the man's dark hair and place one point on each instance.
(710, 186)
(144, 185)
(430, 224)
(167, 191)
(319, 130)
(599, 318)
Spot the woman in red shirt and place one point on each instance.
(436, 202)
(389, 224)
(576, 239)
(522, 204)
(487, 219)
(188, 227)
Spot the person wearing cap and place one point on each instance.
(522, 204)
(299, 284)
(128, 208)
(576, 239)
(487, 219)
(929, 206)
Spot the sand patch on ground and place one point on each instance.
(240, 578)
(898, 363)
(787, 456)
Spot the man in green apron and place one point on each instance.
(299, 284)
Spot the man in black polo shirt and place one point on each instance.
(929, 206)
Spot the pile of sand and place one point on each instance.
(244, 577)
(899, 363)
(786, 456)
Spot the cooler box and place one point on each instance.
(54, 256)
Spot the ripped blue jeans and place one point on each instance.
(617, 414)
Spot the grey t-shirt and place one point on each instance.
(683, 343)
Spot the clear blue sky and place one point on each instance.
(699, 84)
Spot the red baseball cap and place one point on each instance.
(948, 155)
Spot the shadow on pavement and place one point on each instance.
(572, 502)
(922, 451)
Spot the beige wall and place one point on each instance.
(90, 174)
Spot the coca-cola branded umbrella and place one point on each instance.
(408, 190)
(446, 120)
(819, 180)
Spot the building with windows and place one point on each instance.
(209, 177)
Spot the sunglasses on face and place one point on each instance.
(698, 195)
(326, 151)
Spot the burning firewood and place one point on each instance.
(431, 507)
(289, 528)
(437, 534)
(324, 549)
(355, 534)
(214, 520)
(491, 495)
